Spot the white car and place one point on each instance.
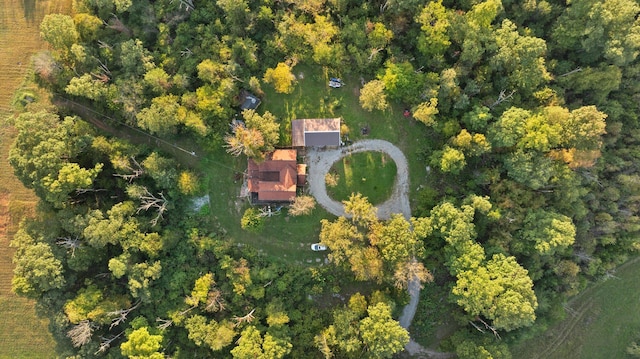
(318, 247)
(335, 83)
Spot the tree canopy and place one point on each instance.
(520, 123)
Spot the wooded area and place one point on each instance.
(532, 187)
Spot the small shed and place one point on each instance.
(318, 132)
(248, 101)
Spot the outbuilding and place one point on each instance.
(317, 132)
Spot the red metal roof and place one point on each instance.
(274, 179)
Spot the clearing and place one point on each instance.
(600, 322)
(370, 173)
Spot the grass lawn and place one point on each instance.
(289, 237)
(313, 98)
(283, 236)
(370, 173)
(602, 321)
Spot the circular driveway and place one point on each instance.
(321, 160)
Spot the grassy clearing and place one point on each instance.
(283, 236)
(22, 333)
(313, 98)
(370, 173)
(601, 322)
(289, 237)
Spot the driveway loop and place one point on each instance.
(320, 162)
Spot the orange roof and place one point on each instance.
(275, 179)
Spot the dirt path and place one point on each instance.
(186, 156)
(320, 162)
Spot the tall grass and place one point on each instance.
(600, 322)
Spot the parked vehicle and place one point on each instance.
(335, 82)
(318, 247)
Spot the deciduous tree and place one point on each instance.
(281, 78)
(381, 335)
(59, 30)
(373, 97)
(500, 291)
(142, 344)
(302, 205)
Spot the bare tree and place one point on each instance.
(164, 323)
(104, 45)
(487, 326)
(577, 69)
(411, 270)
(70, 244)
(136, 170)
(80, 334)
(245, 319)
(116, 24)
(302, 205)
(120, 316)
(149, 201)
(215, 302)
(187, 4)
(186, 52)
(502, 97)
(105, 343)
(374, 52)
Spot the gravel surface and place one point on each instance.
(320, 162)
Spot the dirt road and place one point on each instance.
(320, 162)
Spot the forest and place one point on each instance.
(528, 117)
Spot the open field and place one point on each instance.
(600, 323)
(370, 173)
(22, 333)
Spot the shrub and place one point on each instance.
(188, 183)
(331, 179)
(252, 221)
(302, 205)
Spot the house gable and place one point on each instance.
(274, 179)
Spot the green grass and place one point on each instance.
(283, 236)
(313, 98)
(602, 321)
(370, 173)
(289, 237)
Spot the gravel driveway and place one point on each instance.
(320, 162)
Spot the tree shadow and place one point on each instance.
(29, 9)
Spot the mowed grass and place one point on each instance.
(283, 237)
(600, 323)
(287, 237)
(313, 98)
(22, 333)
(370, 173)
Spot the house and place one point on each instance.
(317, 132)
(248, 101)
(276, 178)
